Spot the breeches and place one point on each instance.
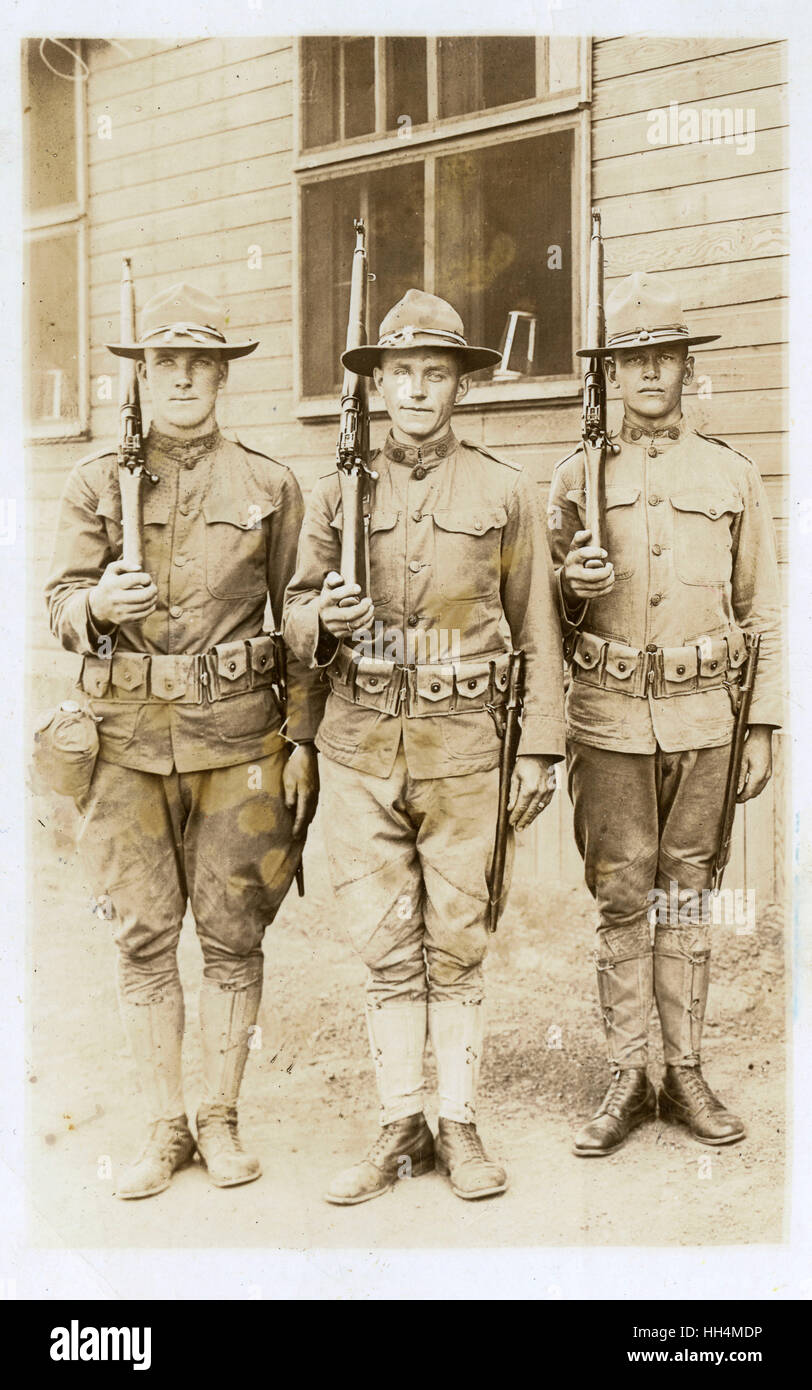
(409, 861)
(219, 839)
(644, 823)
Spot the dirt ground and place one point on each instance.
(309, 1103)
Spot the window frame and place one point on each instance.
(435, 138)
(66, 218)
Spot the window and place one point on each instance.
(481, 202)
(54, 197)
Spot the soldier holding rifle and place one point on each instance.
(661, 612)
(199, 793)
(412, 729)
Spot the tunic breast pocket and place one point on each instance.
(236, 548)
(703, 535)
(622, 538)
(468, 551)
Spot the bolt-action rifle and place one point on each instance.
(594, 431)
(352, 454)
(511, 734)
(744, 699)
(132, 468)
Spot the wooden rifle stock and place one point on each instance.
(507, 761)
(280, 661)
(352, 454)
(745, 700)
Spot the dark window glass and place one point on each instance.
(406, 81)
(477, 73)
(504, 218)
(359, 87)
(51, 125)
(52, 316)
(395, 226)
(320, 91)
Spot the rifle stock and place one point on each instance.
(131, 468)
(352, 454)
(745, 700)
(507, 761)
(280, 661)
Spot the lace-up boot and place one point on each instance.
(461, 1156)
(403, 1149)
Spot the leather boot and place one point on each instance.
(403, 1149)
(218, 1143)
(687, 1099)
(625, 991)
(169, 1147)
(630, 1100)
(461, 1157)
(681, 979)
(226, 1019)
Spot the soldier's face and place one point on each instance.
(420, 390)
(183, 385)
(651, 379)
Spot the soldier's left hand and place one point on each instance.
(757, 762)
(300, 784)
(531, 789)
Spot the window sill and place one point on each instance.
(55, 434)
(480, 397)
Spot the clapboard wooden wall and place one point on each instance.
(198, 170)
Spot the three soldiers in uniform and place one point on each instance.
(201, 795)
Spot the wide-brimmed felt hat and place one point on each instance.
(420, 320)
(182, 316)
(645, 311)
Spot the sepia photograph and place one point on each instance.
(406, 503)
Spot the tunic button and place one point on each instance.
(373, 680)
(636, 434)
(168, 685)
(713, 665)
(414, 566)
(420, 474)
(712, 511)
(232, 665)
(417, 516)
(653, 500)
(175, 612)
(398, 455)
(441, 451)
(621, 666)
(180, 559)
(472, 685)
(586, 658)
(656, 550)
(652, 453)
(680, 670)
(673, 434)
(477, 525)
(652, 647)
(414, 619)
(435, 687)
(655, 599)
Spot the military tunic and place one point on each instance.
(459, 570)
(186, 801)
(649, 717)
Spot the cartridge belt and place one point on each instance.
(658, 671)
(187, 678)
(422, 689)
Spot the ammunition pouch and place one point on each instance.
(194, 678)
(424, 689)
(66, 745)
(662, 672)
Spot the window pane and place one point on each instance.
(51, 126)
(394, 198)
(475, 74)
(52, 329)
(359, 87)
(406, 81)
(319, 84)
(501, 213)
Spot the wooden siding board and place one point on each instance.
(637, 53)
(244, 209)
(691, 81)
(624, 135)
(715, 244)
(697, 206)
(180, 63)
(265, 72)
(699, 162)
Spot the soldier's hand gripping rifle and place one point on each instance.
(594, 432)
(131, 458)
(507, 761)
(352, 454)
(744, 690)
